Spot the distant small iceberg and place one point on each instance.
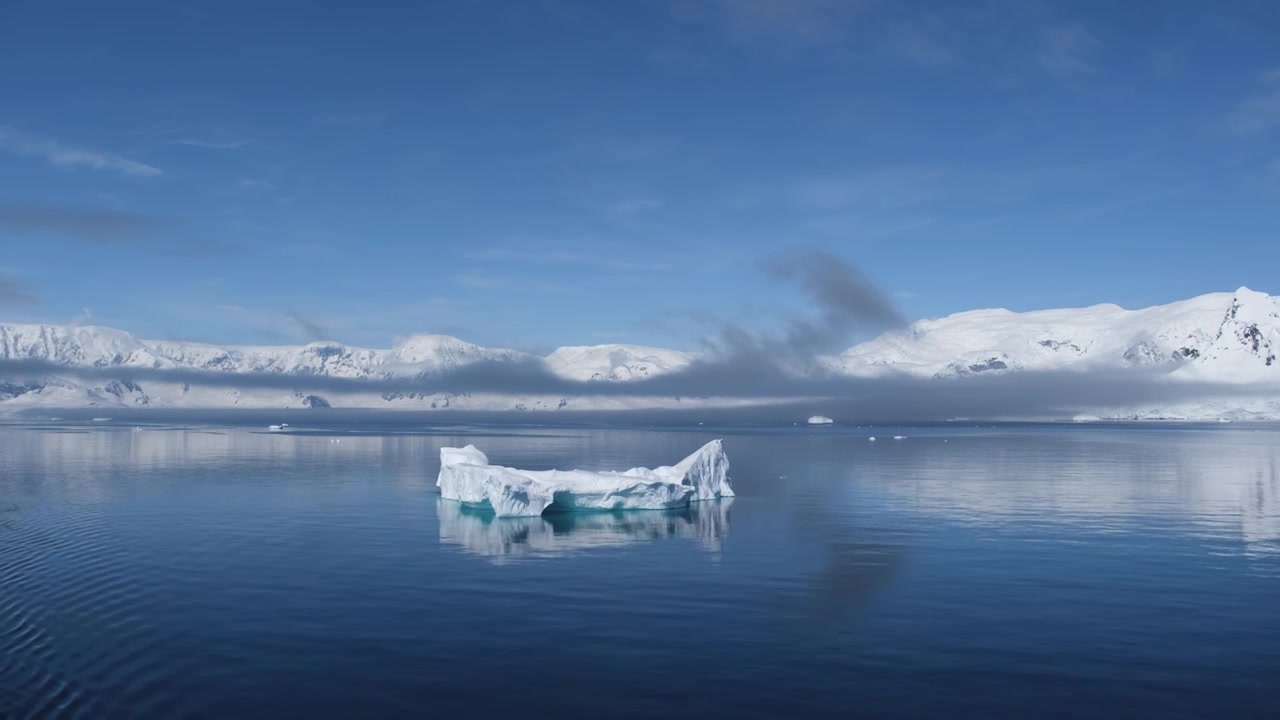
(102, 419)
(278, 428)
(820, 420)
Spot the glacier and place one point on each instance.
(467, 477)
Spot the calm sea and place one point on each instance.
(964, 572)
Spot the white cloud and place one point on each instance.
(53, 152)
(1068, 51)
(211, 144)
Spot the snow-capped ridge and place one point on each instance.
(1219, 338)
(1173, 338)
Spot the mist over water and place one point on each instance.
(216, 570)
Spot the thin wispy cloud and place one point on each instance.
(312, 329)
(211, 144)
(54, 152)
(256, 185)
(780, 24)
(603, 259)
(1260, 112)
(281, 327)
(15, 292)
(918, 42)
(367, 120)
(1069, 51)
(82, 318)
(633, 207)
(76, 223)
(105, 228)
(875, 189)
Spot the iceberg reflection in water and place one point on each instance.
(503, 539)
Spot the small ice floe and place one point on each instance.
(820, 420)
(102, 419)
(872, 438)
(277, 428)
(899, 437)
(467, 476)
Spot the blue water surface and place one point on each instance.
(205, 571)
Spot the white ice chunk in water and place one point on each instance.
(820, 420)
(467, 476)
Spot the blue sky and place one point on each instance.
(534, 174)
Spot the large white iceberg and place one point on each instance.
(467, 476)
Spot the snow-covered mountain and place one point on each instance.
(616, 362)
(1221, 337)
(414, 357)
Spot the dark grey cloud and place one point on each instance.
(104, 227)
(15, 292)
(846, 299)
(843, 301)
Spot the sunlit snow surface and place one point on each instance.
(467, 476)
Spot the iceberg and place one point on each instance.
(820, 420)
(466, 476)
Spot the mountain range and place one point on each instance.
(1227, 338)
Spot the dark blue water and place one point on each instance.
(960, 572)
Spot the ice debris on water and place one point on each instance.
(467, 476)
